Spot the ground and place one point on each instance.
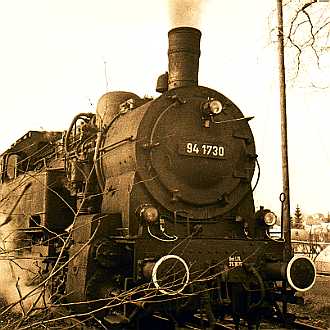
(317, 304)
(316, 309)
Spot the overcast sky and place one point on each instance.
(52, 66)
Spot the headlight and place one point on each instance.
(149, 214)
(215, 107)
(270, 218)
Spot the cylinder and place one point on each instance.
(183, 57)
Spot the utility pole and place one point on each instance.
(284, 147)
(284, 134)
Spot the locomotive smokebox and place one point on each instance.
(183, 57)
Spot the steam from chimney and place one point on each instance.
(185, 12)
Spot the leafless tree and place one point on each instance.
(307, 40)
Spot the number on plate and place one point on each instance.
(203, 150)
(192, 148)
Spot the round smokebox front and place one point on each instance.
(193, 163)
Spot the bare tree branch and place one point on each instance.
(307, 32)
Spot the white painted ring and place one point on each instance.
(155, 269)
(288, 275)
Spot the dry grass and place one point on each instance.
(317, 304)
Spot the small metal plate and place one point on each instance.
(200, 149)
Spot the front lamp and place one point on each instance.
(149, 214)
(211, 107)
(270, 218)
(215, 107)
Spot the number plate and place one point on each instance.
(235, 261)
(198, 149)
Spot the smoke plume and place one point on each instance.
(16, 274)
(185, 12)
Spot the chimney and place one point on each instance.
(183, 57)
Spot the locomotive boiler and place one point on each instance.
(146, 207)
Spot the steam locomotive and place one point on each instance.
(146, 207)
